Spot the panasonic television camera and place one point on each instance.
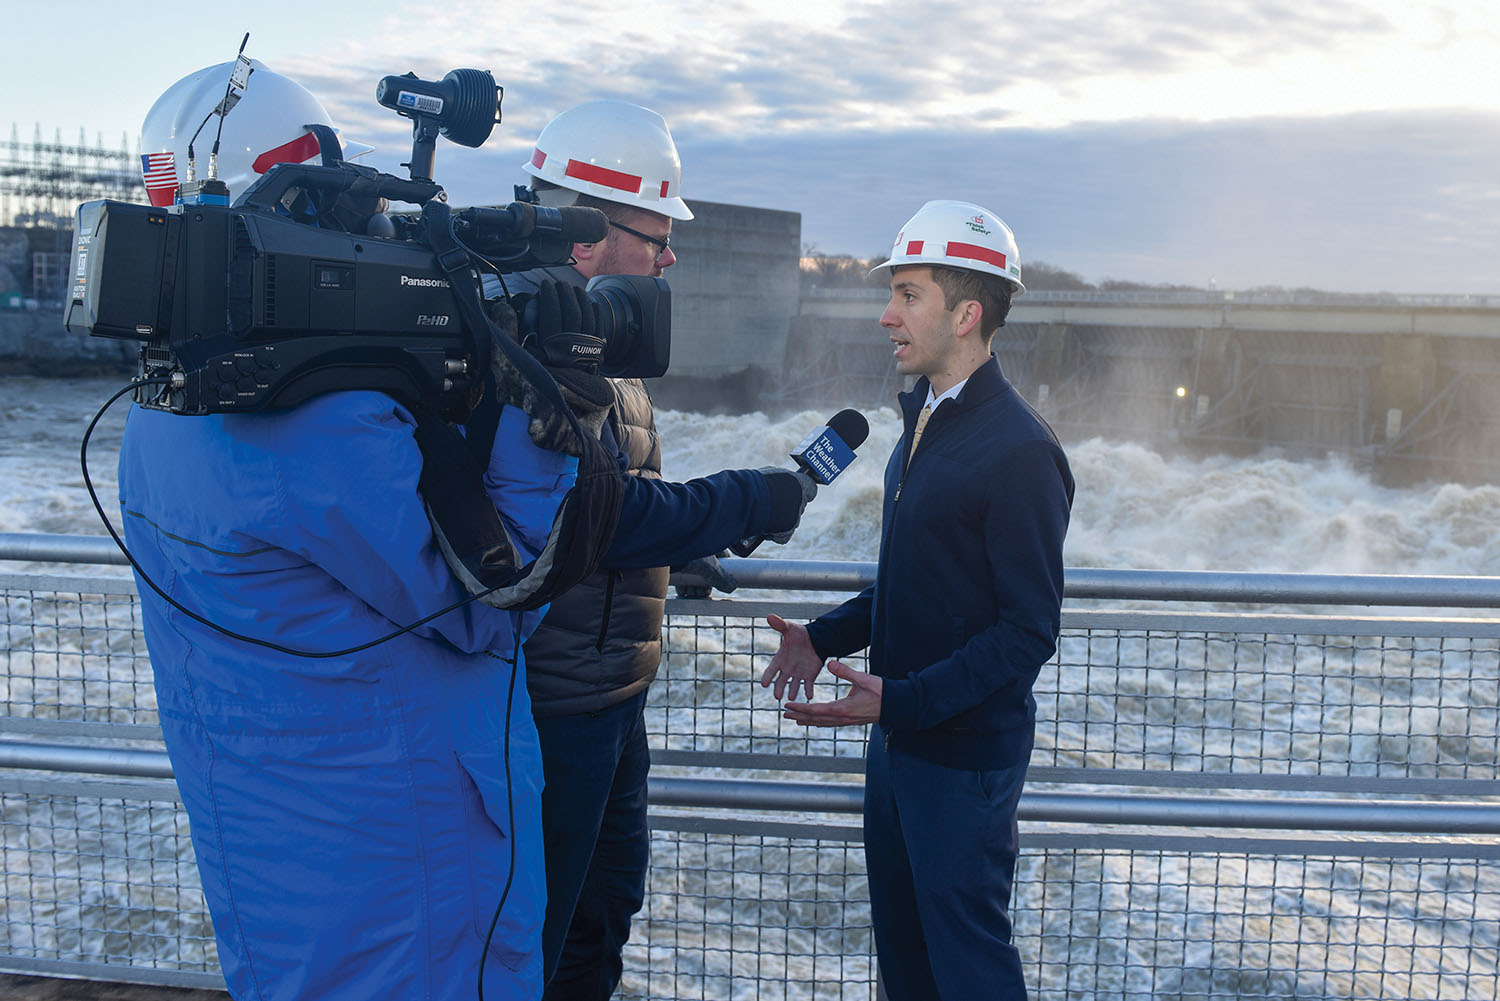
(304, 285)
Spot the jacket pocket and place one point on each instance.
(488, 812)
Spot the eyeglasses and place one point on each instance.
(661, 243)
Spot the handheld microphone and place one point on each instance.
(822, 455)
(828, 450)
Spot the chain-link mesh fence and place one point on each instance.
(100, 879)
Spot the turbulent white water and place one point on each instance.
(1134, 507)
(1114, 702)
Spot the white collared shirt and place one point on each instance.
(952, 391)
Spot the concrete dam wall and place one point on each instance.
(1407, 384)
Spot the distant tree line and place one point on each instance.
(847, 271)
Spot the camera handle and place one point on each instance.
(266, 193)
(424, 133)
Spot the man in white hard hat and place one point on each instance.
(963, 614)
(596, 653)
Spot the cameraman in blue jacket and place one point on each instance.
(366, 824)
(964, 612)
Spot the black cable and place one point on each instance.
(83, 458)
(220, 132)
(195, 135)
(510, 812)
(229, 85)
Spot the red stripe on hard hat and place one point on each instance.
(663, 189)
(603, 175)
(538, 158)
(304, 147)
(913, 248)
(975, 253)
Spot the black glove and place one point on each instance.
(566, 325)
(791, 489)
(588, 394)
(711, 571)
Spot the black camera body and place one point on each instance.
(243, 310)
(277, 298)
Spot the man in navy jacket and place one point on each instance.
(963, 613)
(592, 660)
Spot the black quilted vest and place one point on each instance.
(601, 641)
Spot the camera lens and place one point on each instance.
(634, 317)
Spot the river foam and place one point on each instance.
(1135, 506)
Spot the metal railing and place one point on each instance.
(1300, 801)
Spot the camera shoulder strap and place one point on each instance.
(469, 531)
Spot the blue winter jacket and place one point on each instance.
(355, 818)
(966, 602)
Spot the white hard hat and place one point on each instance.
(958, 235)
(265, 127)
(613, 150)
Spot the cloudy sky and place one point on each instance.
(1348, 145)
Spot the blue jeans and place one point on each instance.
(941, 845)
(597, 845)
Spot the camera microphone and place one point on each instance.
(822, 455)
(571, 224)
(522, 221)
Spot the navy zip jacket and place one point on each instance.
(965, 606)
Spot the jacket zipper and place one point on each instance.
(901, 483)
(609, 600)
(907, 460)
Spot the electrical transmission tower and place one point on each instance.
(41, 183)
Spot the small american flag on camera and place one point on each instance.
(160, 173)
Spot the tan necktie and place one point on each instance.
(916, 434)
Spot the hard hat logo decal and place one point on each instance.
(596, 174)
(160, 172)
(304, 147)
(978, 226)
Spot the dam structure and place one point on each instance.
(1402, 385)
(1405, 384)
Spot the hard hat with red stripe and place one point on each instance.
(957, 235)
(265, 124)
(614, 150)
